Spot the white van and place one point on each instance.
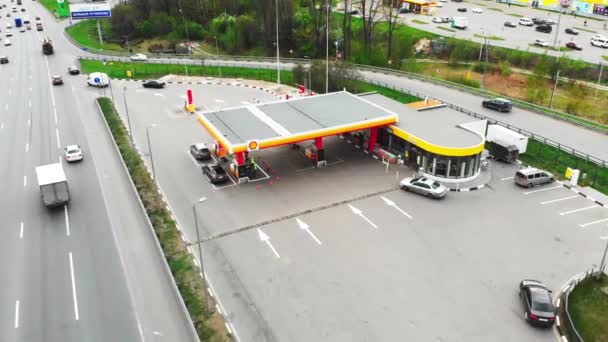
(600, 41)
(526, 22)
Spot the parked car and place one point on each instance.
(446, 19)
(353, 12)
(9, 33)
(573, 46)
(549, 21)
(571, 31)
(3, 60)
(214, 173)
(424, 186)
(541, 43)
(498, 104)
(404, 10)
(440, 5)
(525, 22)
(529, 177)
(73, 153)
(544, 28)
(154, 84)
(462, 9)
(57, 80)
(538, 21)
(437, 20)
(73, 70)
(139, 57)
(200, 151)
(510, 24)
(477, 10)
(537, 302)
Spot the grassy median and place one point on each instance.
(51, 5)
(208, 323)
(85, 33)
(588, 306)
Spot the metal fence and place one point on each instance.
(574, 334)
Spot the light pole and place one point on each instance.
(327, 6)
(150, 150)
(309, 79)
(603, 263)
(277, 27)
(554, 89)
(217, 53)
(124, 96)
(337, 43)
(187, 34)
(599, 78)
(198, 241)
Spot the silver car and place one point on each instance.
(424, 186)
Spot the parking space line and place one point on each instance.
(544, 189)
(507, 178)
(580, 209)
(559, 199)
(583, 225)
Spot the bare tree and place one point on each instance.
(347, 28)
(391, 13)
(369, 12)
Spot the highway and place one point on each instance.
(87, 271)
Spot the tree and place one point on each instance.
(369, 11)
(391, 13)
(346, 29)
(123, 20)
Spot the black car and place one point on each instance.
(3, 60)
(571, 31)
(214, 173)
(538, 21)
(22, 9)
(200, 151)
(57, 80)
(573, 46)
(544, 28)
(353, 12)
(510, 24)
(499, 104)
(462, 9)
(154, 84)
(404, 10)
(73, 70)
(538, 306)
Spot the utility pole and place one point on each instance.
(309, 67)
(124, 96)
(327, 6)
(599, 78)
(277, 27)
(559, 19)
(554, 88)
(150, 150)
(99, 33)
(199, 242)
(217, 54)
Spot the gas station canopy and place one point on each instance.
(258, 126)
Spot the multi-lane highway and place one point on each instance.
(89, 271)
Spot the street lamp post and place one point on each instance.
(277, 37)
(124, 96)
(150, 150)
(309, 67)
(603, 263)
(327, 7)
(217, 54)
(198, 240)
(187, 34)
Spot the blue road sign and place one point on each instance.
(91, 14)
(97, 80)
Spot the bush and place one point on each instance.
(464, 81)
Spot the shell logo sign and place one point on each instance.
(252, 145)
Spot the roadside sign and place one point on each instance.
(90, 10)
(104, 61)
(97, 80)
(129, 73)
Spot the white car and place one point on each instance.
(98, 79)
(7, 42)
(541, 42)
(139, 57)
(526, 22)
(9, 33)
(437, 20)
(72, 153)
(476, 10)
(8, 26)
(439, 4)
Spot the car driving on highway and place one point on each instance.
(3, 60)
(498, 104)
(57, 80)
(571, 31)
(73, 70)
(510, 24)
(214, 173)
(538, 306)
(424, 186)
(525, 22)
(139, 57)
(73, 153)
(574, 46)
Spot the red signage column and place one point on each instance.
(320, 151)
(373, 136)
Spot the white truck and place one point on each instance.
(496, 132)
(53, 185)
(460, 23)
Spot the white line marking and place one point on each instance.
(74, 288)
(27, 147)
(1, 125)
(6, 106)
(583, 225)
(67, 220)
(57, 134)
(358, 212)
(266, 239)
(21, 231)
(29, 123)
(10, 92)
(29, 103)
(559, 199)
(544, 189)
(17, 314)
(580, 209)
(24, 181)
(394, 205)
(507, 178)
(306, 228)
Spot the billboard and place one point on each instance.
(90, 10)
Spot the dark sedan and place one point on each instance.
(538, 306)
(154, 84)
(571, 31)
(462, 9)
(497, 103)
(215, 174)
(200, 151)
(57, 80)
(3, 60)
(73, 70)
(573, 46)
(510, 24)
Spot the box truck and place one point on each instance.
(460, 23)
(53, 185)
(506, 135)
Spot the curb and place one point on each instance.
(582, 194)
(469, 189)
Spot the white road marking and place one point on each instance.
(358, 212)
(29, 103)
(580, 209)
(394, 205)
(29, 123)
(305, 227)
(544, 189)
(583, 225)
(6, 106)
(74, 288)
(559, 199)
(27, 147)
(57, 134)
(24, 181)
(2, 125)
(67, 220)
(266, 239)
(17, 314)
(21, 231)
(507, 178)
(10, 92)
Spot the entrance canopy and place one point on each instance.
(258, 126)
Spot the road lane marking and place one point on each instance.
(541, 190)
(29, 122)
(583, 225)
(1, 125)
(359, 213)
(305, 227)
(580, 209)
(29, 103)
(27, 147)
(6, 106)
(266, 239)
(74, 288)
(559, 199)
(67, 220)
(57, 134)
(507, 178)
(10, 92)
(17, 314)
(24, 181)
(394, 205)
(21, 231)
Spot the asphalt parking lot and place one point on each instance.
(389, 265)
(491, 23)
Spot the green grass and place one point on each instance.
(489, 37)
(364, 87)
(417, 21)
(85, 33)
(51, 5)
(556, 162)
(588, 307)
(515, 15)
(495, 9)
(178, 258)
(605, 57)
(445, 29)
(585, 29)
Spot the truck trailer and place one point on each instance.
(506, 135)
(460, 23)
(47, 47)
(53, 185)
(18, 22)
